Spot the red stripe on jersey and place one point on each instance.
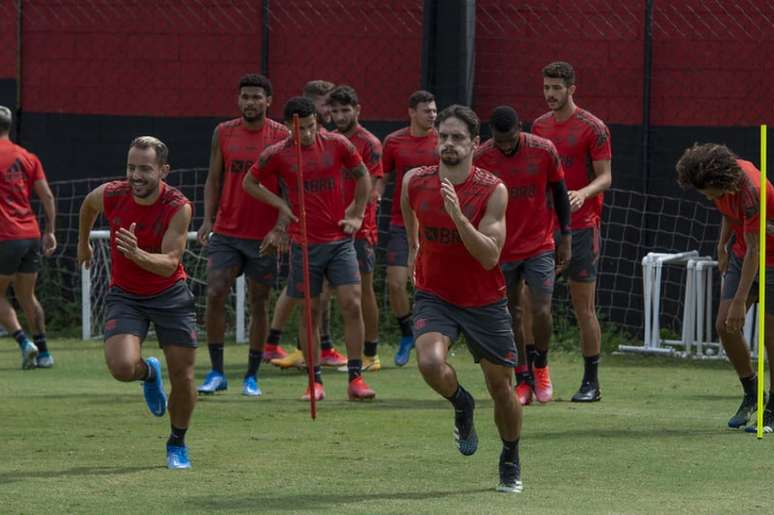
(19, 171)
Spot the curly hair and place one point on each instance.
(709, 165)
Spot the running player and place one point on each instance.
(734, 186)
(20, 174)
(455, 221)
(404, 149)
(326, 159)
(148, 231)
(583, 143)
(233, 229)
(530, 168)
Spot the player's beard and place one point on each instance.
(450, 159)
(257, 117)
(347, 129)
(559, 104)
(143, 189)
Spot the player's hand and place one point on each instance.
(85, 254)
(285, 210)
(563, 252)
(737, 313)
(451, 203)
(126, 241)
(722, 259)
(203, 234)
(276, 241)
(49, 244)
(352, 221)
(577, 198)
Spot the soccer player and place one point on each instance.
(404, 149)
(234, 228)
(331, 224)
(20, 243)
(734, 186)
(455, 221)
(345, 110)
(583, 143)
(529, 167)
(148, 231)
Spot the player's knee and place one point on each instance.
(500, 389)
(542, 311)
(122, 370)
(395, 285)
(720, 327)
(181, 375)
(217, 293)
(350, 307)
(429, 364)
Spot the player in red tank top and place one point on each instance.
(148, 232)
(455, 223)
(583, 143)
(20, 242)
(734, 186)
(234, 229)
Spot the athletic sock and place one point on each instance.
(369, 348)
(177, 436)
(40, 343)
(405, 325)
(325, 342)
(150, 373)
(216, 356)
(750, 385)
(254, 358)
(460, 399)
(590, 367)
(318, 375)
(523, 374)
(274, 336)
(531, 355)
(20, 338)
(354, 368)
(541, 358)
(510, 452)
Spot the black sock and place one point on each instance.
(523, 376)
(149, 372)
(590, 367)
(274, 336)
(531, 352)
(325, 342)
(254, 358)
(510, 452)
(177, 436)
(750, 385)
(40, 342)
(460, 399)
(405, 325)
(369, 348)
(354, 368)
(318, 375)
(20, 337)
(541, 358)
(216, 356)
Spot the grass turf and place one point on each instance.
(73, 440)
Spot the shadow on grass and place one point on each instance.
(8, 477)
(331, 404)
(650, 433)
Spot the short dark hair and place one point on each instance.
(317, 88)
(466, 114)
(158, 146)
(255, 80)
(504, 119)
(709, 165)
(560, 70)
(344, 95)
(420, 96)
(6, 119)
(301, 106)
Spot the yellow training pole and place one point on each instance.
(762, 286)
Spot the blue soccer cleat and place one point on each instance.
(464, 430)
(214, 381)
(177, 457)
(404, 350)
(155, 397)
(29, 353)
(250, 387)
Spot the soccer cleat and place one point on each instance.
(44, 360)
(250, 387)
(372, 363)
(177, 457)
(524, 393)
(544, 390)
(155, 397)
(29, 353)
(271, 352)
(294, 359)
(510, 477)
(464, 431)
(358, 390)
(768, 422)
(588, 392)
(319, 393)
(404, 350)
(332, 358)
(214, 381)
(745, 412)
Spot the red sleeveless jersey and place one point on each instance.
(239, 215)
(444, 267)
(152, 221)
(19, 171)
(370, 149)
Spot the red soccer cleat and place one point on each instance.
(319, 393)
(271, 352)
(358, 390)
(332, 358)
(544, 390)
(524, 393)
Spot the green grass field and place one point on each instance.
(73, 440)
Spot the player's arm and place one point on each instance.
(91, 207)
(213, 187)
(562, 208)
(725, 236)
(48, 202)
(410, 222)
(173, 245)
(603, 178)
(353, 216)
(484, 242)
(738, 308)
(258, 191)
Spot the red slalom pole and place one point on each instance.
(305, 253)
